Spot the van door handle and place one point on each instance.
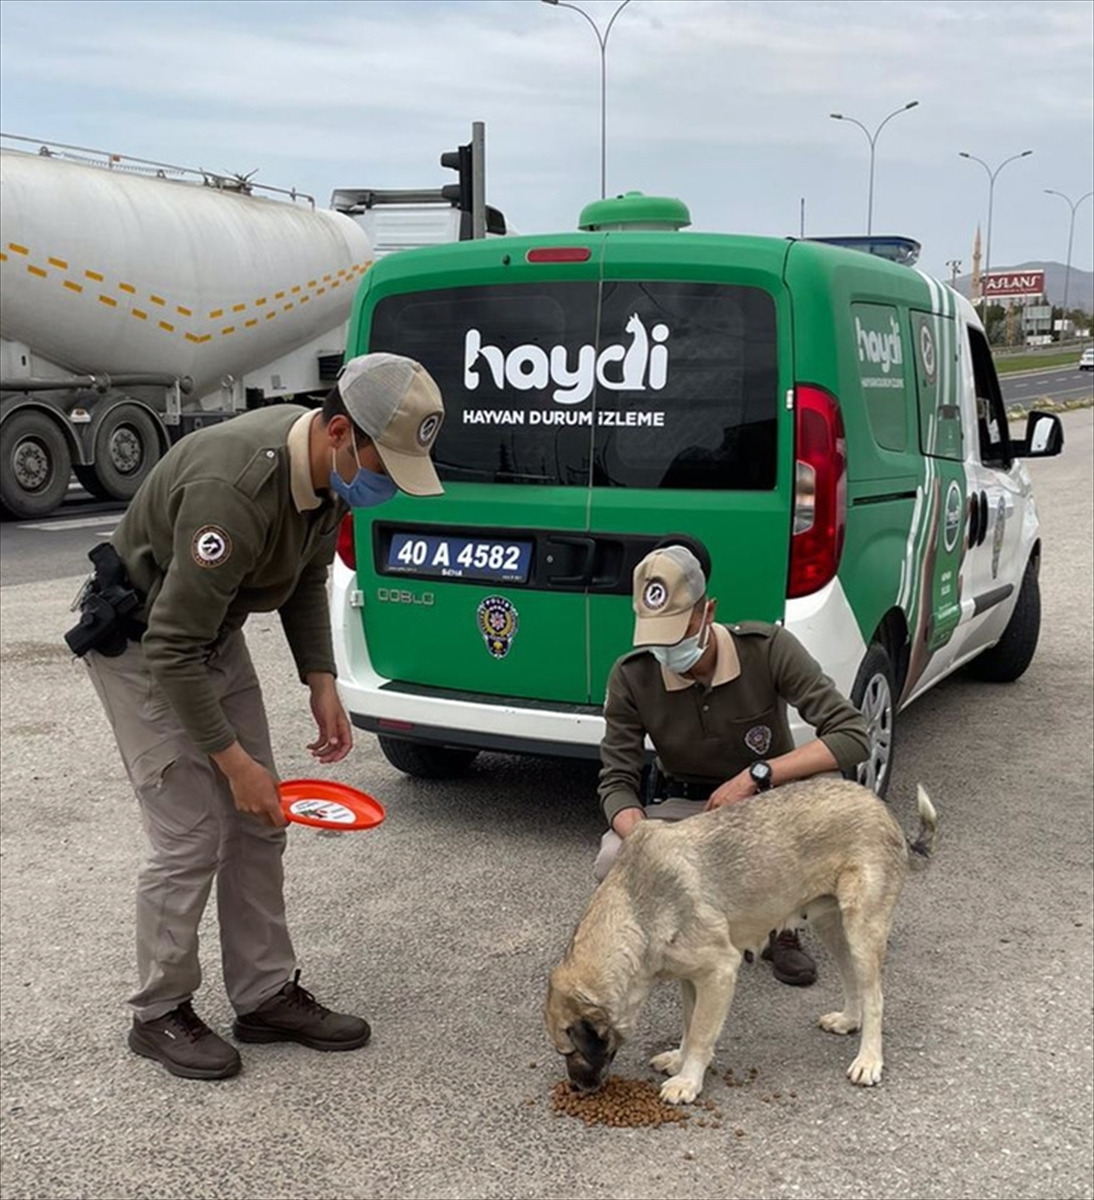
(983, 518)
(974, 519)
(586, 548)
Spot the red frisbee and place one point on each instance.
(329, 805)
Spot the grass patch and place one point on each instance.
(1034, 362)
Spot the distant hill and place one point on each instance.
(1080, 292)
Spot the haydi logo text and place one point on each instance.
(883, 348)
(530, 368)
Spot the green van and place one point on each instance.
(826, 422)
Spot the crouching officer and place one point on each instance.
(713, 700)
(236, 518)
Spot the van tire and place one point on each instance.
(874, 695)
(424, 760)
(1008, 659)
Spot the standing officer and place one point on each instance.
(236, 518)
(713, 701)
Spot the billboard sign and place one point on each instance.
(1000, 284)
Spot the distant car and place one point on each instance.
(1086, 359)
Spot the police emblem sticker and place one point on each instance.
(655, 595)
(498, 624)
(211, 546)
(758, 739)
(955, 511)
(927, 351)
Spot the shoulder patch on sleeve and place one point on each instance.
(211, 546)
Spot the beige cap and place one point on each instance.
(397, 403)
(668, 583)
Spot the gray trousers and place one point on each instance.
(673, 809)
(195, 834)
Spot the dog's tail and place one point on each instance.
(920, 851)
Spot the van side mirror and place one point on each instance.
(1044, 437)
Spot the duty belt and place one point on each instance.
(688, 789)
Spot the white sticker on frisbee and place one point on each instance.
(323, 810)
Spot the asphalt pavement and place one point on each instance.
(441, 925)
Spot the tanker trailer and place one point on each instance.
(139, 301)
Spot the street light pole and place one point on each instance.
(872, 139)
(991, 194)
(1070, 237)
(602, 42)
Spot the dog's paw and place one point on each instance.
(680, 1090)
(668, 1063)
(838, 1022)
(865, 1071)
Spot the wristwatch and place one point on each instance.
(761, 775)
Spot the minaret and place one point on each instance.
(974, 285)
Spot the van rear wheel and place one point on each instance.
(874, 694)
(424, 760)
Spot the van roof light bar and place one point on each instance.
(896, 249)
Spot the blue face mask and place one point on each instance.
(367, 489)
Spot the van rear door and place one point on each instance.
(483, 590)
(693, 434)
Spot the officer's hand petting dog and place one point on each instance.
(813, 758)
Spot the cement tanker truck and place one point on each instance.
(139, 301)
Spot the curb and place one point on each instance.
(1016, 412)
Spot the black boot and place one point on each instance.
(294, 1015)
(789, 962)
(185, 1045)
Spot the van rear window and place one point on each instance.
(615, 384)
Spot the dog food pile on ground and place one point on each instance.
(623, 1103)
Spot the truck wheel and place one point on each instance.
(1008, 659)
(89, 481)
(424, 760)
(874, 695)
(127, 447)
(35, 464)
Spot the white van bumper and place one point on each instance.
(822, 622)
(381, 706)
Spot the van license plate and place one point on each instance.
(435, 557)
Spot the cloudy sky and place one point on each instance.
(724, 103)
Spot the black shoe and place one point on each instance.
(185, 1045)
(294, 1015)
(789, 962)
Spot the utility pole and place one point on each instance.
(478, 179)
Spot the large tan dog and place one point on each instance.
(685, 900)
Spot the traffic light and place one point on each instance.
(461, 194)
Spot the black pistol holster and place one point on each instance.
(106, 602)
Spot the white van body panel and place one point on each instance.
(360, 686)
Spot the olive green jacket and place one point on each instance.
(216, 533)
(714, 733)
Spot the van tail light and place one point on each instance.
(820, 491)
(344, 547)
